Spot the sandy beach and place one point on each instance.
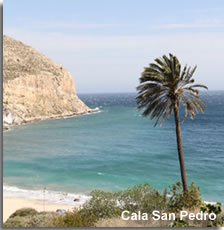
(11, 204)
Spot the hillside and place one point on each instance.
(35, 87)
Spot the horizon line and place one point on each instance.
(213, 90)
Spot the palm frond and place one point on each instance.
(199, 86)
(190, 73)
(162, 84)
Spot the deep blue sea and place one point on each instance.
(114, 149)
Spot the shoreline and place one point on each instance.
(11, 204)
(49, 196)
(9, 127)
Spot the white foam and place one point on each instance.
(45, 195)
(210, 202)
(96, 109)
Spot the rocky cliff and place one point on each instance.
(35, 87)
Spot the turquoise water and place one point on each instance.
(115, 149)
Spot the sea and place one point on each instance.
(113, 149)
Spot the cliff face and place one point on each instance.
(35, 87)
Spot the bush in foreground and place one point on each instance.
(139, 198)
(180, 200)
(24, 212)
(217, 209)
(74, 219)
(31, 219)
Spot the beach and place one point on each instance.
(11, 204)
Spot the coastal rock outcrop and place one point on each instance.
(35, 87)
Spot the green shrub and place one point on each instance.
(24, 212)
(23, 219)
(16, 222)
(184, 199)
(102, 204)
(217, 209)
(179, 223)
(74, 219)
(139, 198)
(142, 198)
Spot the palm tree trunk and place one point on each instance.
(179, 147)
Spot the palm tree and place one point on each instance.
(163, 85)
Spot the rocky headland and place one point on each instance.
(35, 87)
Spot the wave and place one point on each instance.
(210, 202)
(95, 110)
(56, 197)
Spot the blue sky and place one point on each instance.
(105, 44)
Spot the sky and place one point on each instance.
(105, 44)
